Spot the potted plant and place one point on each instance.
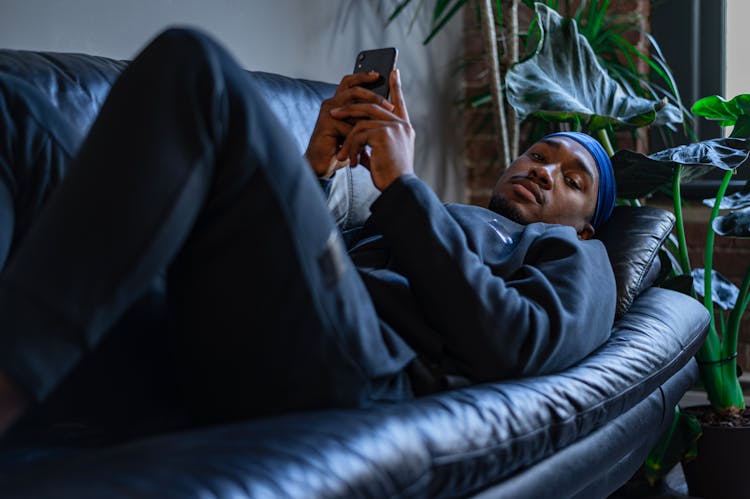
(724, 424)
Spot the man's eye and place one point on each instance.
(573, 183)
(537, 157)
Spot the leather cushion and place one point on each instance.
(633, 236)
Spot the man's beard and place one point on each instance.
(501, 206)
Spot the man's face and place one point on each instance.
(555, 181)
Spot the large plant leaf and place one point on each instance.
(668, 116)
(723, 292)
(563, 81)
(735, 112)
(735, 224)
(742, 127)
(734, 202)
(639, 175)
(715, 107)
(727, 154)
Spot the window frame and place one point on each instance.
(697, 57)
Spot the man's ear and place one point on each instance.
(586, 232)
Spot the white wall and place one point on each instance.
(738, 69)
(315, 39)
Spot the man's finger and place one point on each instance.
(397, 95)
(364, 159)
(341, 128)
(354, 143)
(336, 164)
(357, 79)
(358, 94)
(362, 110)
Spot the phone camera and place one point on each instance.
(361, 57)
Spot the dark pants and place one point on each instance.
(187, 169)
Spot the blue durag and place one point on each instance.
(605, 200)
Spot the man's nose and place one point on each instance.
(543, 175)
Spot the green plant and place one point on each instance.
(608, 38)
(639, 176)
(563, 81)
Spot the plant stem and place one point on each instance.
(604, 140)
(735, 317)
(514, 124)
(720, 379)
(680, 221)
(488, 26)
(708, 254)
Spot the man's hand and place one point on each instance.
(388, 133)
(330, 131)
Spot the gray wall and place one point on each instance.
(316, 39)
(738, 71)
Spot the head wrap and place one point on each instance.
(605, 199)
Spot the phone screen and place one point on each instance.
(381, 60)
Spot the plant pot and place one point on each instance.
(722, 467)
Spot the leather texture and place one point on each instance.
(446, 445)
(615, 461)
(516, 438)
(77, 84)
(633, 236)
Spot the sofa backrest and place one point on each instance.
(78, 84)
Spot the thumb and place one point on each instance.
(397, 95)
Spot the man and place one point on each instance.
(187, 169)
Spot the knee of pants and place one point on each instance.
(183, 47)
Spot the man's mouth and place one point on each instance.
(528, 189)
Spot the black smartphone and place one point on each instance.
(381, 60)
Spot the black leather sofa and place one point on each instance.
(578, 433)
